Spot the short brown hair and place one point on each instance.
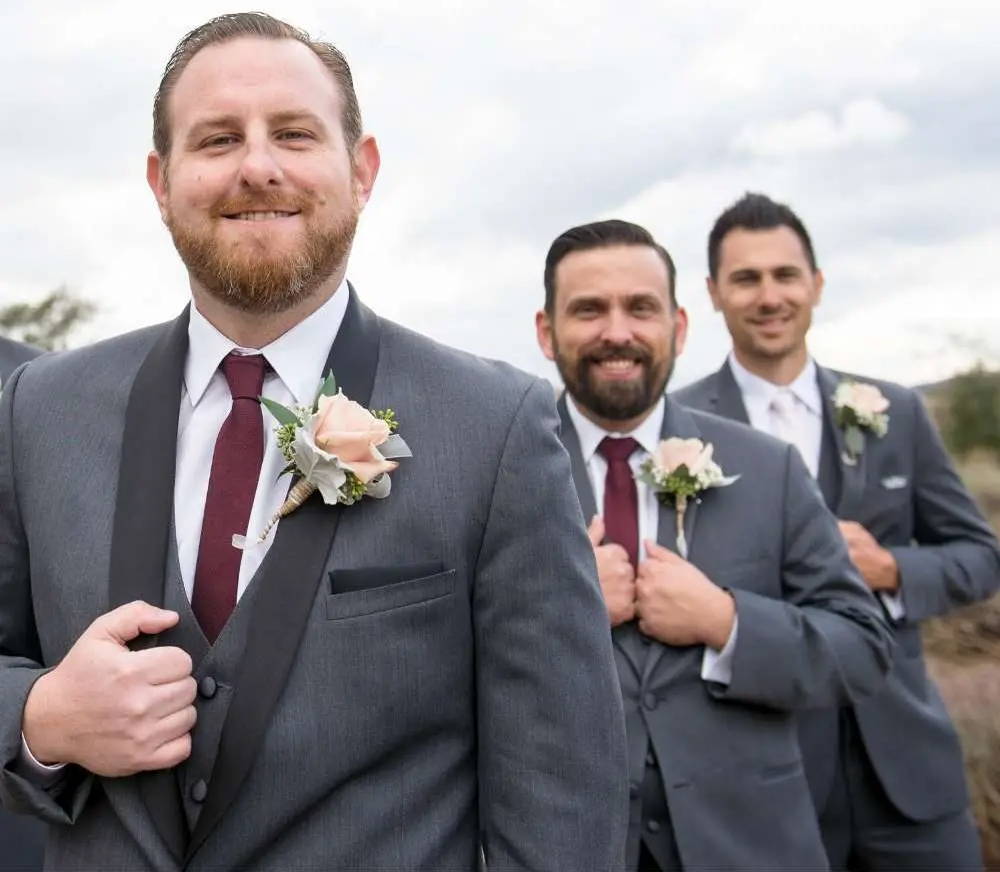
(233, 26)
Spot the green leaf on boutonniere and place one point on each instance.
(328, 388)
(281, 414)
(854, 439)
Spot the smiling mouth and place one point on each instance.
(618, 367)
(259, 216)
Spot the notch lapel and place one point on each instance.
(287, 583)
(728, 401)
(677, 421)
(852, 475)
(143, 523)
(625, 636)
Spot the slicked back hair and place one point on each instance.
(602, 234)
(756, 212)
(256, 24)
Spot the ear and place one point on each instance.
(818, 282)
(713, 293)
(156, 179)
(367, 160)
(680, 330)
(543, 332)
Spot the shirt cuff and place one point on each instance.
(37, 773)
(717, 666)
(893, 603)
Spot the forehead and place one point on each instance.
(249, 74)
(618, 270)
(761, 249)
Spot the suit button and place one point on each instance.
(653, 826)
(649, 701)
(207, 687)
(633, 789)
(651, 759)
(199, 790)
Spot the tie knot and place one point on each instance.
(245, 374)
(617, 449)
(783, 402)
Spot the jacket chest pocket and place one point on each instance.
(370, 591)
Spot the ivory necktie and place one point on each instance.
(239, 452)
(621, 502)
(786, 418)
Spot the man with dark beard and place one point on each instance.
(730, 594)
(376, 683)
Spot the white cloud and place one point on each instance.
(861, 122)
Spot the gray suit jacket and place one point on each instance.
(905, 491)
(810, 634)
(401, 676)
(21, 838)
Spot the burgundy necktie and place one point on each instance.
(621, 501)
(239, 452)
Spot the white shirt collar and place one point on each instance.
(756, 390)
(647, 434)
(297, 356)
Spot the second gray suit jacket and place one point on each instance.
(904, 490)
(401, 677)
(810, 634)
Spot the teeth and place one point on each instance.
(617, 364)
(262, 216)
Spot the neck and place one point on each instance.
(255, 329)
(610, 425)
(777, 370)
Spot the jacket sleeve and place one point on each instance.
(21, 662)
(552, 766)
(825, 642)
(954, 559)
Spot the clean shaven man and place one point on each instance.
(765, 615)
(886, 774)
(383, 685)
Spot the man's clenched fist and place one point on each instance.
(615, 573)
(111, 710)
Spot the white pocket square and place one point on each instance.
(895, 482)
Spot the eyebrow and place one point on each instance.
(277, 119)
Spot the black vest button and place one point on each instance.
(199, 790)
(207, 687)
(649, 701)
(651, 759)
(653, 826)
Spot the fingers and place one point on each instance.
(161, 665)
(171, 753)
(595, 531)
(167, 699)
(655, 551)
(126, 622)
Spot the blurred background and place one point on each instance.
(503, 124)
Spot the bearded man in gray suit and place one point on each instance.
(886, 775)
(729, 609)
(378, 684)
(21, 837)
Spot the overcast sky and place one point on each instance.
(502, 124)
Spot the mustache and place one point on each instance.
(617, 351)
(267, 201)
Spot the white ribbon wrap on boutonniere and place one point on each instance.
(678, 470)
(336, 447)
(859, 407)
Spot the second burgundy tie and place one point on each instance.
(621, 501)
(239, 452)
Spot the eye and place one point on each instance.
(219, 140)
(294, 135)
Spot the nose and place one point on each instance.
(260, 167)
(769, 295)
(617, 327)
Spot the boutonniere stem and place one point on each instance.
(678, 470)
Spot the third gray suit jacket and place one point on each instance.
(12, 355)
(810, 634)
(400, 677)
(905, 491)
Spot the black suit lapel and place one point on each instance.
(678, 422)
(142, 524)
(727, 400)
(852, 473)
(286, 590)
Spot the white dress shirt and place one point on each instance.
(716, 665)
(297, 359)
(758, 395)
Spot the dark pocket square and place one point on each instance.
(344, 580)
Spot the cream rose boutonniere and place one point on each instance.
(678, 470)
(859, 407)
(336, 447)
